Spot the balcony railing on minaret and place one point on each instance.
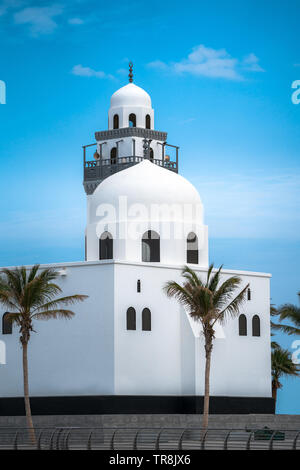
(95, 171)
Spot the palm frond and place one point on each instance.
(180, 293)
(224, 293)
(190, 275)
(288, 329)
(33, 272)
(233, 308)
(54, 314)
(290, 312)
(213, 283)
(53, 304)
(282, 364)
(210, 270)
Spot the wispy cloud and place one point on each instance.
(208, 62)
(6, 5)
(251, 63)
(89, 72)
(75, 21)
(40, 20)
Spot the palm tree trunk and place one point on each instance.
(208, 350)
(274, 394)
(26, 394)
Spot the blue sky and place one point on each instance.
(220, 76)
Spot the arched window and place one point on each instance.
(106, 246)
(146, 320)
(116, 121)
(148, 121)
(132, 120)
(255, 326)
(151, 246)
(6, 325)
(113, 156)
(131, 319)
(151, 154)
(242, 325)
(192, 253)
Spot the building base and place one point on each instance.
(142, 404)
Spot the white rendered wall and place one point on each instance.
(124, 112)
(170, 359)
(94, 354)
(69, 357)
(172, 250)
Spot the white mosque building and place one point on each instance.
(129, 348)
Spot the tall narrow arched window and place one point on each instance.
(151, 246)
(242, 325)
(148, 121)
(255, 326)
(116, 121)
(151, 154)
(192, 252)
(131, 319)
(146, 320)
(132, 120)
(6, 324)
(106, 244)
(113, 156)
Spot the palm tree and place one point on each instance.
(208, 303)
(29, 296)
(291, 313)
(282, 365)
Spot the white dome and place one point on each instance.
(146, 183)
(130, 95)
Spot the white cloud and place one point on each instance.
(75, 21)
(5, 5)
(250, 63)
(158, 64)
(39, 19)
(89, 72)
(208, 62)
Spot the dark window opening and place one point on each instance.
(116, 121)
(113, 156)
(249, 294)
(6, 324)
(131, 319)
(106, 246)
(132, 120)
(148, 121)
(138, 286)
(151, 247)
(255, 326)
(192, 253)
(242, 325)
(146, 320)
(151, 154)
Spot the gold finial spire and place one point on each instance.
(130, 72)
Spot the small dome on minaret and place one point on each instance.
(130, 106)
(130, 95)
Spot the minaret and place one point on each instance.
(130, 137)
